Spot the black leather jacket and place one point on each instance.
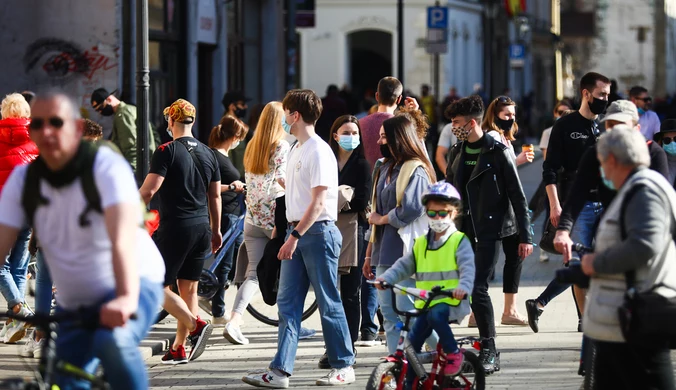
(493, 189)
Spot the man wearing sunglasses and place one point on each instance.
(667, 139)
(102, 262)
(648, 119)
(124, 123)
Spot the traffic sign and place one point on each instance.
(437, 17)
(437, 41)
(517, 55)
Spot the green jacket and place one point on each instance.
(124, 133)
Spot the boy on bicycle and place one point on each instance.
(443, 257)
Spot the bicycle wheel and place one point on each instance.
(385, 374)
(472, 375)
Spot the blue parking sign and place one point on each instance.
(437, 17)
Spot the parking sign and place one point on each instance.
(437, 17)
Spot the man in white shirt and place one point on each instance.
(310, 254)
(102, 262)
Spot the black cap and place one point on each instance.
(233, 97)
(99, 95)
(667, 126)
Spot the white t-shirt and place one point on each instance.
(80, 258)
(447, 138)
(311, 165)
(544, 141)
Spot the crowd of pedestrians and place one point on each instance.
(341, 200)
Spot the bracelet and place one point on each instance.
(368, 257)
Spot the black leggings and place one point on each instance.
(511, 274)
(621, 366)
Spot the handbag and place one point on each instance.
(645, 316)
(547, 239)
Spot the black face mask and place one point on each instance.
(240, 112)
(107, 110)
(504, 124)
(385, 151)
(597, 106)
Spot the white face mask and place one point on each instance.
(440, 225)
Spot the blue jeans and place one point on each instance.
(583, 232)
(223, 269)
(116, 350)
(369, 306)
(404, 303)
(315, 262)
(43, 286)
(13, 272)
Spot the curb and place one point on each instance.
(158, 340)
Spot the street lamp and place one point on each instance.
(142, 92)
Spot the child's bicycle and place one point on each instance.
(391, 374)
(49, 365)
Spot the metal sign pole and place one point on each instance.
(142, 92)
(400, 40)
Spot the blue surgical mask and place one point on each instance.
(608, 183)
(286, 126)
(641, 111)
(670, 148)
(349, 142)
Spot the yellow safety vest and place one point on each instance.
(437, 267)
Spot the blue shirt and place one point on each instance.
(650, 124)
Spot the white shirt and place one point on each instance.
(447, 138)
(80, 258)
(544, 141)
(311, 165)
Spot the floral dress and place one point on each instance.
(262, 190)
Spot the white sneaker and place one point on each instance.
(220, 320)
(37, 352)
(28, 348)
(543, 256)
(267, 379)
(3, 332)
(233, 334)
(17, 331)
(337, 377)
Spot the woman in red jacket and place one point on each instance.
(16, 148)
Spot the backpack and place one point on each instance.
(31, 198)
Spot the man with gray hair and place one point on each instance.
(101, 259)
(634, 241)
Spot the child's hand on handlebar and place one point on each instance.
(379, 283)
(459, 293)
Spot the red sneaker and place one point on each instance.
(454, 363)
(198, 338)
(175, 357)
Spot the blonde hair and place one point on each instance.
(492, 112)
(15, 105)
(268, 133)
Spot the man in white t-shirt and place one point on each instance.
(310, 254)
(446, 140)
(101, 262)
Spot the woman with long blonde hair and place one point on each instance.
(265, 169)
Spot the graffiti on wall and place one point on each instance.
(60, 60)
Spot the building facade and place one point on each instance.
(354, 43)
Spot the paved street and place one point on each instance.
(529, 361)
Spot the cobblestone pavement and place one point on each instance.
(529, 361)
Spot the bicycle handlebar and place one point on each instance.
(427, 296)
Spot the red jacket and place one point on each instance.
(16, 147)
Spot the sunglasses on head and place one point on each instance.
(561, 112)
(667, 140)
(441, 213)
(39, 123)
(504, 100)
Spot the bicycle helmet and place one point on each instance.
(442, 191)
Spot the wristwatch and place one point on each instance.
(296, 234)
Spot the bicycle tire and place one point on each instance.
(379, 372)
(272, 322)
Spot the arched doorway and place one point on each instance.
(369, 59)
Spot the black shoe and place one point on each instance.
(368, 339)
(324, 361)
(534, 314)
(579, 325)
(489, 357)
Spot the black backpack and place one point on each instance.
(31, 198)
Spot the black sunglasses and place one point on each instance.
(667, 140)
(646, 99)
(39, 123)
(504, 100)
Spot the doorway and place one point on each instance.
(370, 59)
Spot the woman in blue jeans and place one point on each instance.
(13, 287)
(404, 159)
